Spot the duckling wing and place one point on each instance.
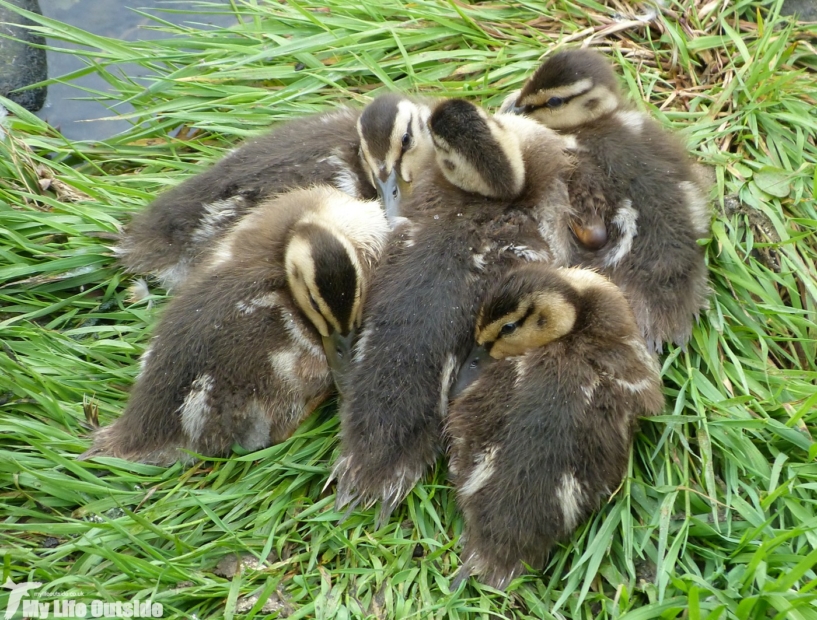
(657, 211)
(231, 361)
(416, 332)
(183, 223)
(663, 275)
(517, 452)
(536, 443)
(590, 207)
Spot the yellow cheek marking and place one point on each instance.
(413, 159)
(575, 112)
(300, 269)
(368, 160)
(560, 315)
(490, 332)
(402, 119)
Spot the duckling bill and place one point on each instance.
(638, 205)
(359, 153)
(541, 424)
(470, 220)
(240, 354)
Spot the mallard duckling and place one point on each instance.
(638, 205)
(395, 145)
(351, 150)
(540, 437)
(237, 356)
(479, 210)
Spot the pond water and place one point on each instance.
(64, 107)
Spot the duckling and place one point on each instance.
(638, 204)
(240, 354)
(497, 181)
(541, 432)
(359, 153)
(394, 146)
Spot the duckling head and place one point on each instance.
(571, 88)
(476, 152)
(531, 307)
(326, 280)
(394, 142)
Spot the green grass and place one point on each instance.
(718, 516)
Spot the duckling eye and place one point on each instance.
(406, 142)
(508, 328)
(313, 303)
(554, 102)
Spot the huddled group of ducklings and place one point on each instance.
(506, 302)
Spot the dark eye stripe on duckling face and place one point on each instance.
(570, 73)
(515, 290)
(375, 127)
(571, 112)
(324, 279)
(555, 96)
(569, 89)
(389, 127)
(394, 144)
(520, 316)
(477, 153)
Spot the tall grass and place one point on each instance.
(718, 515)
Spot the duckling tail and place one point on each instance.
(491, 571)
(91, 453)
(462, 574)
(386, 508)
(109, 441)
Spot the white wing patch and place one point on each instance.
(643, 354)
(195, 409)
(216, 215)
(527, 254)
(698, 207)
(362, 345)
(631, 119)
(570, 495)
(267, 300)
(173, 276)
(302, 339)
(570, 142)
(521, 366)
(285, 365)
(222, 254)
(625, 219)
(143, 360)
(590, 390)
(446, 380)
(345, 179)
(481, 473)
(636, 386)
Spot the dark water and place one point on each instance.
(111, 18)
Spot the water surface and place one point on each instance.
(78, 119)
